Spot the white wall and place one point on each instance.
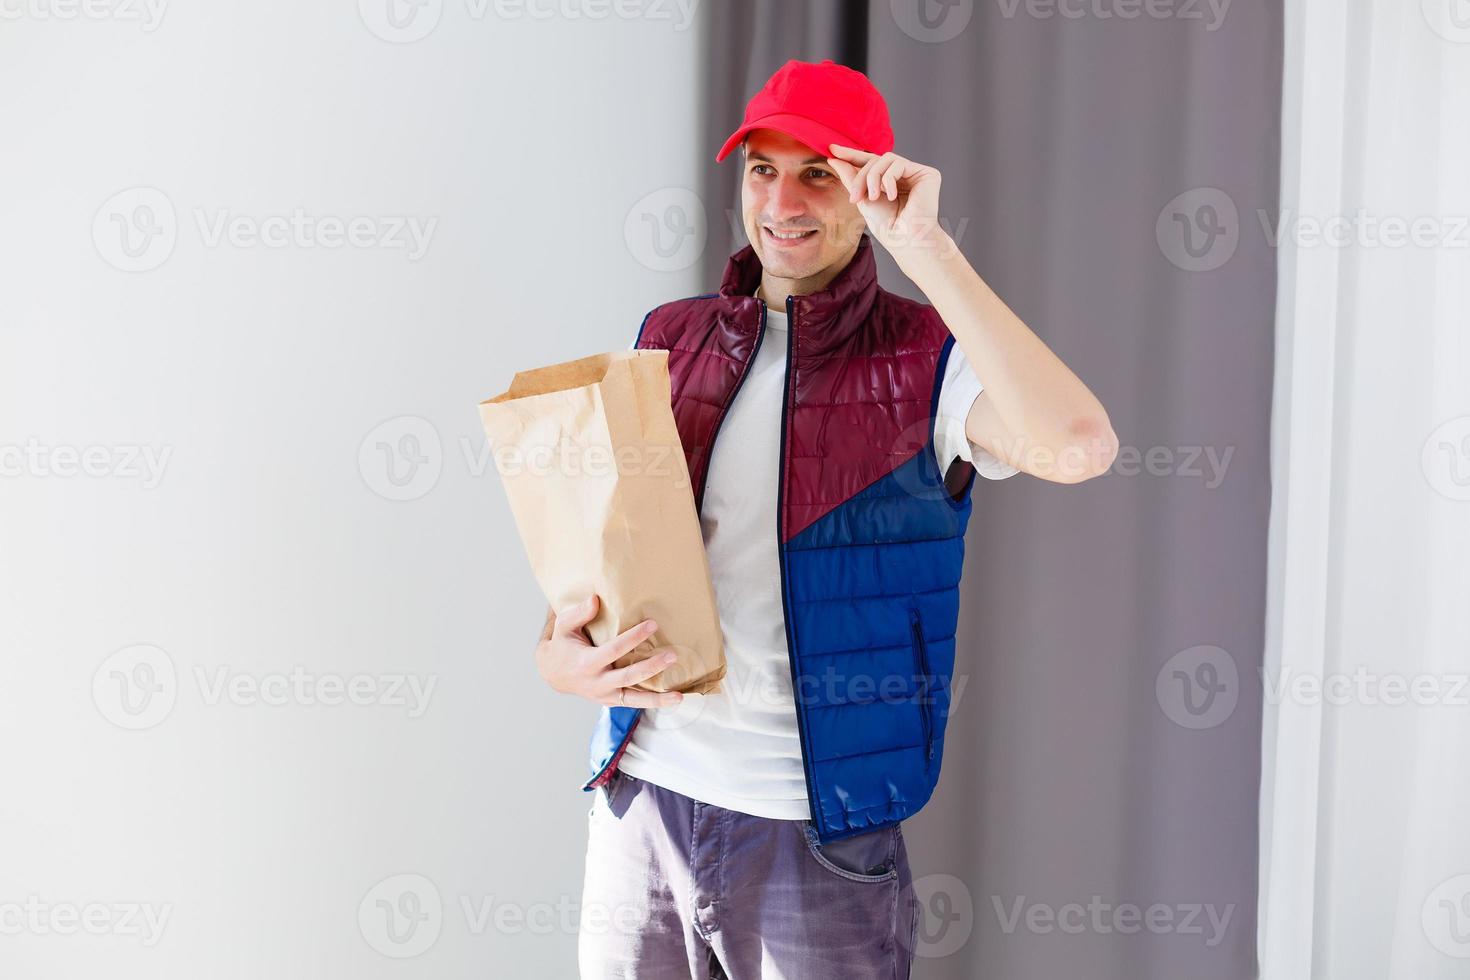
(263, 540)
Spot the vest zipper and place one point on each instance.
(806, 766)
(603, 775)
(921, 660)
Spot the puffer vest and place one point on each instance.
(871, 543)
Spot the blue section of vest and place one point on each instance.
(874, 603)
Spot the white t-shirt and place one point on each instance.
(740, 749)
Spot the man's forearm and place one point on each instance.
(1034, 394)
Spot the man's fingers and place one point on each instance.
(860, 182)
(643, 699)
(887, 163)
(890, 184)
(844, 171)
(624, 642)
(850, 153)
(642, 670)
(577, 615)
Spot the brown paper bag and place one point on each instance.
(592, 463)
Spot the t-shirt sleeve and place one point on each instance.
(957, 393)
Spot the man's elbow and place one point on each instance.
(1090, 448)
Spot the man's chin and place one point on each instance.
(785, 267)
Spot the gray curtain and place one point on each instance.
(1104, 752)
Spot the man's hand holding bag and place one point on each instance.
(592, 464)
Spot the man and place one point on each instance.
(833, 431)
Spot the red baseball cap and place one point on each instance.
(818, 104)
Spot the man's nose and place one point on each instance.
(786, 201)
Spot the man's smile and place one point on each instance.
(787, 239)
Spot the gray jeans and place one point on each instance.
(679, 888)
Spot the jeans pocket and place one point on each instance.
(603, 796)
(869, 858)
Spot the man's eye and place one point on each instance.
(759, 168)
(818, 173)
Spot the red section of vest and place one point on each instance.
(860, 382)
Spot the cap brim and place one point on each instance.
(815, 135)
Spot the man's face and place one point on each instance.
(788, 189)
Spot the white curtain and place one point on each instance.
(1365, 848)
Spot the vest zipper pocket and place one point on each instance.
(921, 662)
